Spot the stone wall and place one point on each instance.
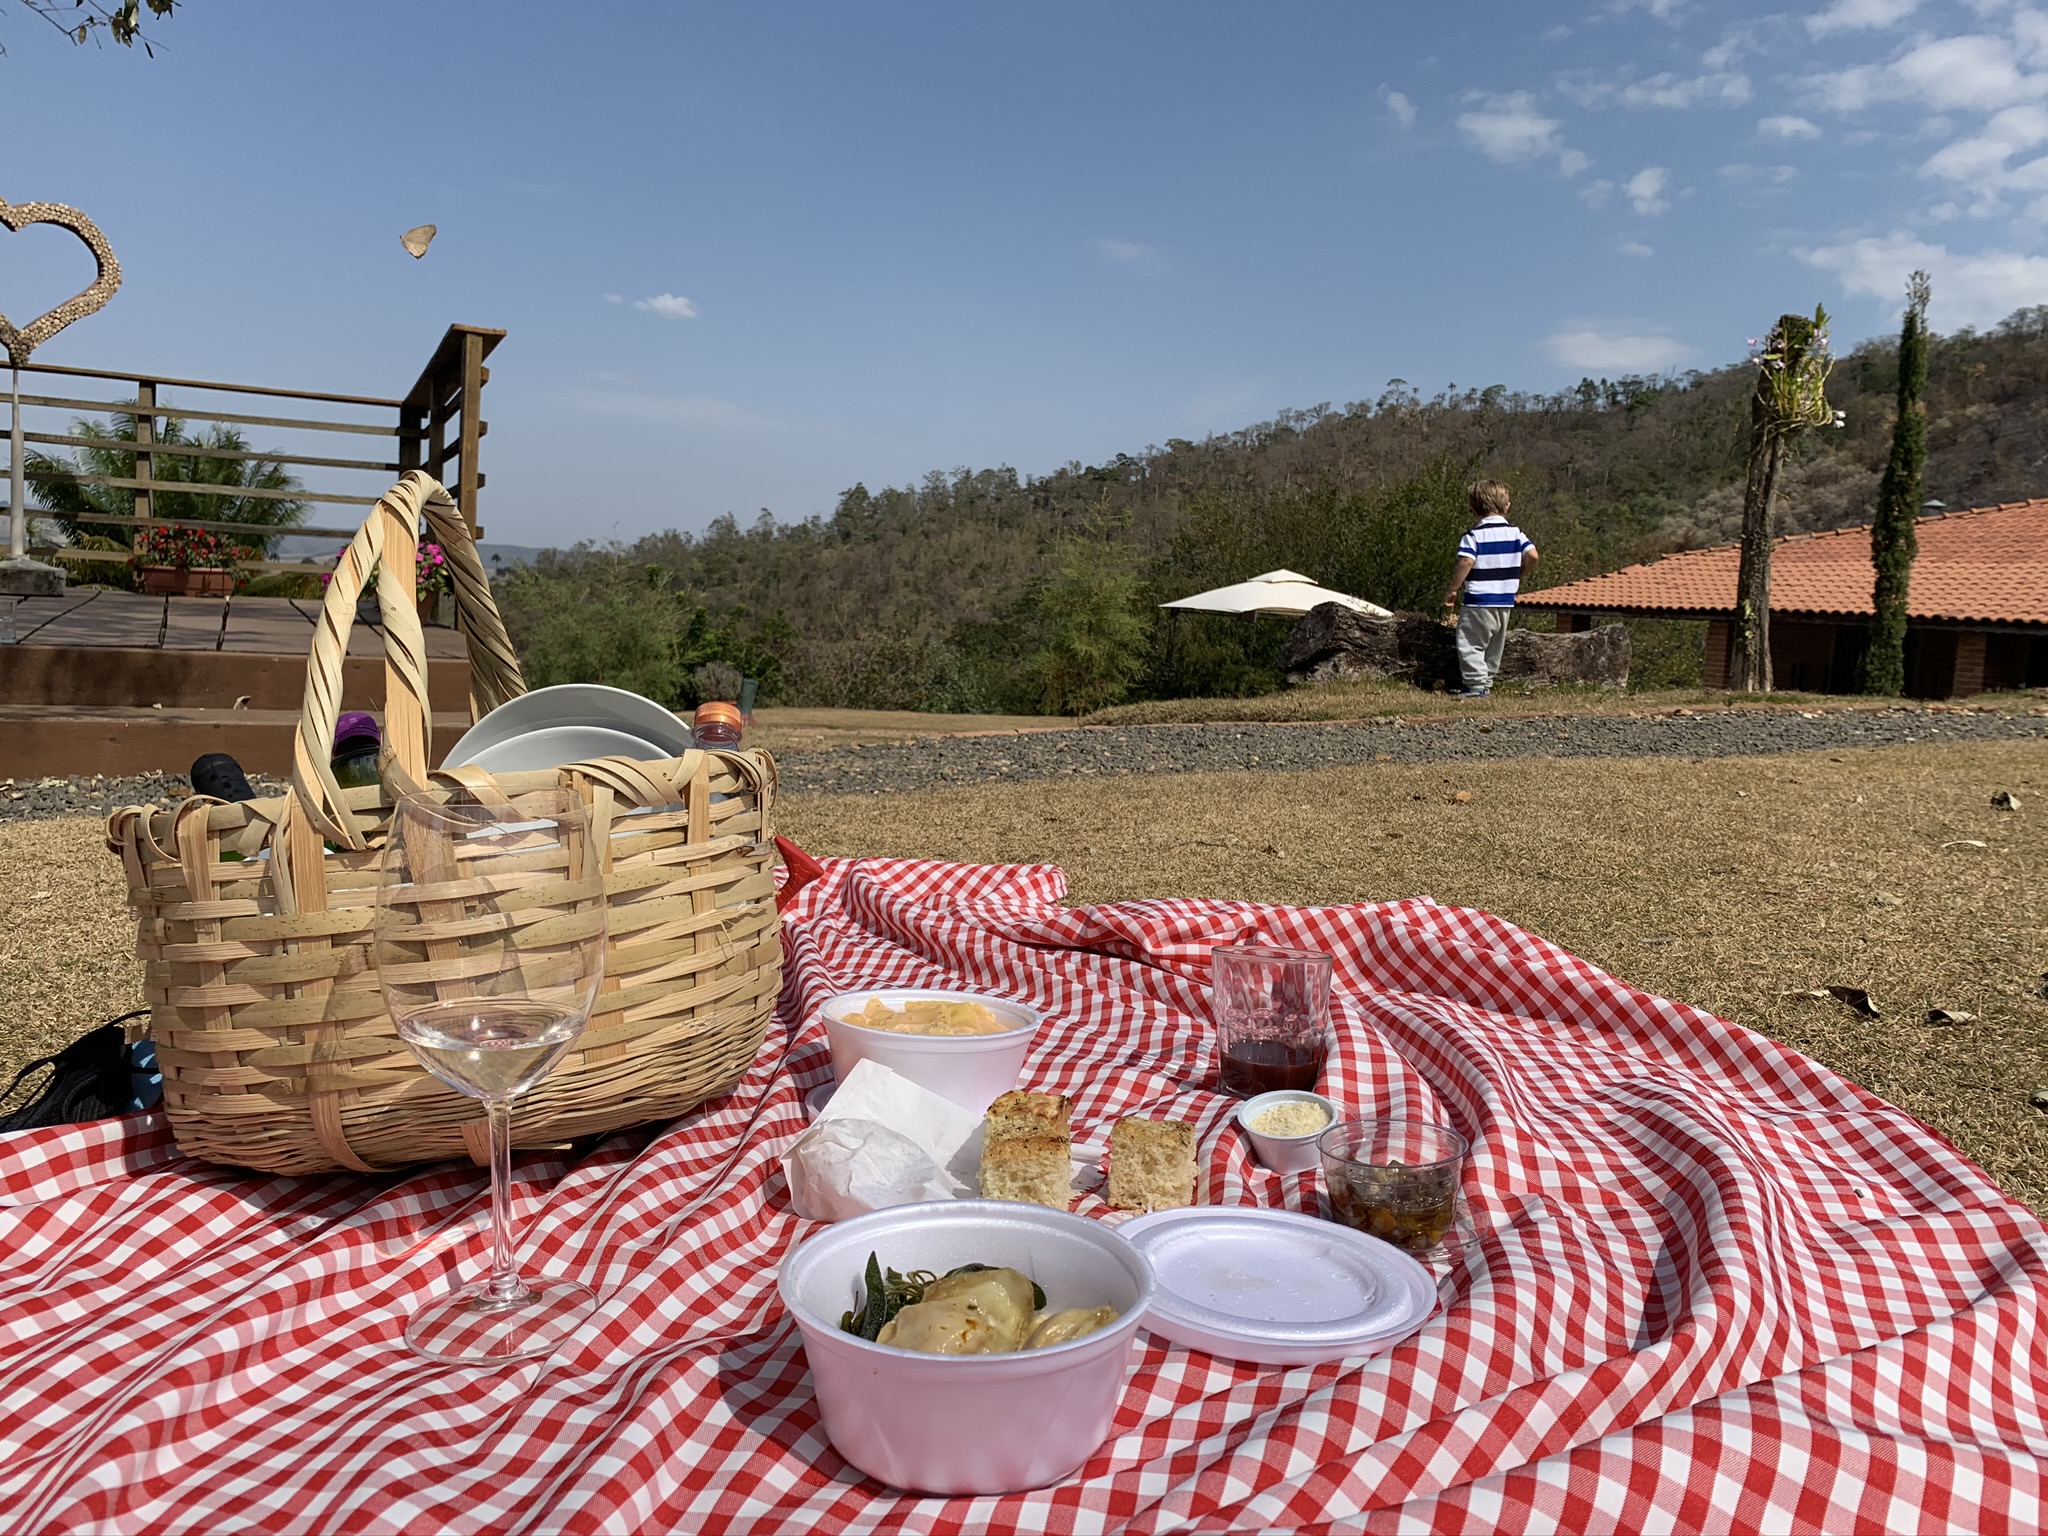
(1334, 642)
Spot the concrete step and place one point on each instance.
(43, 741)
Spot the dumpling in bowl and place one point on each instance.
(1065, 1327)
(983, 1312)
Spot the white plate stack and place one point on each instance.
(569, 723)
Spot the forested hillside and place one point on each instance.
(983, 590)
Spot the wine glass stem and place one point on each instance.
(505, 1282)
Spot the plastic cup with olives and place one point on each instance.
(1397, 1179)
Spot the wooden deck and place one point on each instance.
(271, 626)
(118, 683)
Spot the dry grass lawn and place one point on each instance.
(1724, 883)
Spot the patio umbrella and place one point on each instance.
(1286, 593)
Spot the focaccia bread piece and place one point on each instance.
(1151, 1164)
(1033, 1169)
(1018, 1113)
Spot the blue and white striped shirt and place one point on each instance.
(1495, 547)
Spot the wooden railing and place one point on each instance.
(437, 426)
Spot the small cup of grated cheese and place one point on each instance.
(1291, 1118)
(1283, 1128)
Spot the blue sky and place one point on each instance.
(748, 255)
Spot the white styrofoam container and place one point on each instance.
(968, 1424)
(1277, 1287)
(971, 1070)
(1286, 1154)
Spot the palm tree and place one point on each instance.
(76, 507)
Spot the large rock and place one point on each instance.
(1333, 642)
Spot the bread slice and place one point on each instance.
(1151, 1164)
(1034, 1169)
(1018, 1113)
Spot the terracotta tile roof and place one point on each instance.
(1984, 565)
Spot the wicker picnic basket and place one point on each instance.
(276, 1049)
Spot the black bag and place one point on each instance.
(89, 1080)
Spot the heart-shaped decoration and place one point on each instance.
(24, 340)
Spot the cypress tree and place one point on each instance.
(1893, 539)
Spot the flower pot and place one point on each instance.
(195, 581)
(430, 607)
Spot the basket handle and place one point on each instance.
(387, 543)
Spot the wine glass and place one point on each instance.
(489, 946)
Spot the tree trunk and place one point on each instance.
(1750, 670)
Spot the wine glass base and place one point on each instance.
(470, 1328)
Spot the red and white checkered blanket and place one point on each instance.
(1714, 1287)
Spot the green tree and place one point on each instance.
(1893, 539)
(597, 617)
(1092, 630)
(228, 464)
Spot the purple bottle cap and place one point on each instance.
(357, 730)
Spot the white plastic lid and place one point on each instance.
(1277, 1288)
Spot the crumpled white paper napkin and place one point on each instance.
(880, 1141)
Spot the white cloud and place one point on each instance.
(1725, 89)
(1980, 163)
(1972, 72)
(1637, 248)
(1398, 104)
(1860, 16)
(1733, 45)
(1786, 126)
(1127, 253)
(615, 298)
(1979, 289)
(1615, 351)
(670, 306)
(1595, 193)
(1511, 130)
(1773, 175)
(1645, 190)
(1716, 88)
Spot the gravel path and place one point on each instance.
(1120, 750)
(39, 799)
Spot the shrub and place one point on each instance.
(591, 616)
(716, 680)
(186, 549)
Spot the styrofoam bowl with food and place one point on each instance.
(1285, 1126)
(964, 1046)
(999, 1421)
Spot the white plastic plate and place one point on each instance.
(552, 746)
(1277, 1288)
(574, 704)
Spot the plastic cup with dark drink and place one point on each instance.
(1271, 1007)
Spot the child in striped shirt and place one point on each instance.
(1492, 560)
